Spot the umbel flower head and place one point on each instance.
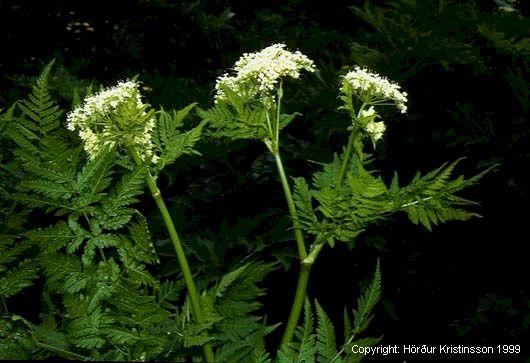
(112, 117)
(258, 74)
(366, 120)
(372, 91)
(371, 88)
(375, 130)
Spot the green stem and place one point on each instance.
(306, 261)
(346, 157)
(305, 269)
(349, 149)
(298, 303)
(301, 288)
(292, 209)
(102, 254)
(181, 256)
(278, 114)
(303, 276)
(59, 350)
(313, 254)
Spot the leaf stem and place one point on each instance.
(313, 253)
(349, 150)
(278, 114)
(59, 350)
(346, 157)
(181, 256)
(102, 253)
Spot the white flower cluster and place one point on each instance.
(374, 129)
(371, 87)
(103, 102)
(257, 74)
(101, 122)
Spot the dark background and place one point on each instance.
(465, 67)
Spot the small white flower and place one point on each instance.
(371, 87)
(257, 74)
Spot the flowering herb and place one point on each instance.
(248, 103)
(101, 300)
(344, 198)
(117, 117)
(369, 89)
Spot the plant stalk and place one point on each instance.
(305, 269)
(302, 253)
(303, 276)
(349, 150)
(59, 350)
(346, 157)
(306, 261)
(298, 303)
(181, 256)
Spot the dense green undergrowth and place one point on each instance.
(83, 240)
(92, 257)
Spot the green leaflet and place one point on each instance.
(17, 278)
(325, 336)
(237, 121)
(366, 303)
(231, 307)
(318, 344)
(39, 106)
(433, 199)
(240, 118)
(170, 141)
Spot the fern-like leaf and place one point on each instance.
(39, 106)
(431, 199)
(366, 303)
(170, 141)
(308, 346)
(325, 339)
(18, 278)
